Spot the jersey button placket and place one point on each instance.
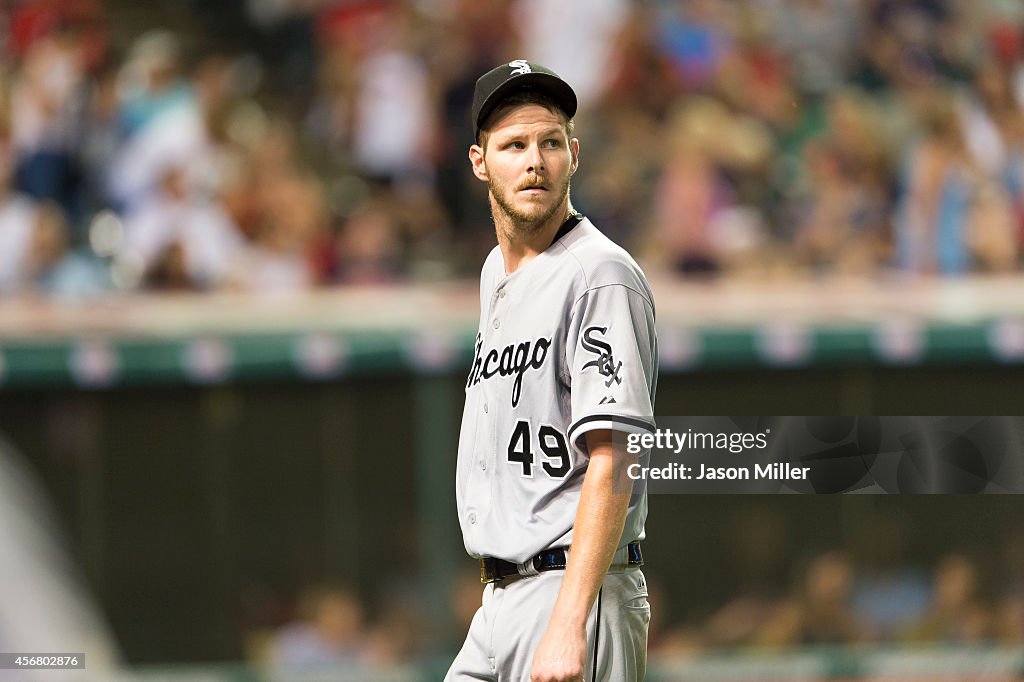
(496, 298)
(499, 294)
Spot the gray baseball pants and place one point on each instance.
(510, 623)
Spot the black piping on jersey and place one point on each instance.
(597, 636)
(632, 421)
(572, 221)
(591, 289)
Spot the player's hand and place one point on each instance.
(560, 656)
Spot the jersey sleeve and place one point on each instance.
(612, 357)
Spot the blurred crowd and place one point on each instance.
(870, 590)
(277, 145)
(332, 628)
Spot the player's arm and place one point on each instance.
(596, 533)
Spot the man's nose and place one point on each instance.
(535, 159)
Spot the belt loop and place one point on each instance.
(527, 568)
(628, 556)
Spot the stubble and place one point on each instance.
(514, 221)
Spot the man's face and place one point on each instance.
(527, 164)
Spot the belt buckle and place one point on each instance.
(488, 571)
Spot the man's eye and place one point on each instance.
(552, 143)
(516, 145)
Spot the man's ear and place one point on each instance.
(476, 160)
(574, 149)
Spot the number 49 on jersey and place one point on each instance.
(552, 446)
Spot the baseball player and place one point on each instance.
(566, 354)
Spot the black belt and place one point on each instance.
(492, 570)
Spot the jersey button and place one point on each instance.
(472, 519)
(501, 293)
(483, 465)
(497, 323)
(485, 408)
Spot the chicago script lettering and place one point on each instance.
(513, 359)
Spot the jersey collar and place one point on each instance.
(572, 221)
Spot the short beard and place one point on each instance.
(520, 222)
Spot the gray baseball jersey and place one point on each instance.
(566, 345)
